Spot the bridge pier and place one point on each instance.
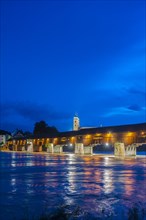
(119, 149)
(15, 147)
(40, 148)
(50, 148)
(23, 148)
(58, 148)
(29, 146)
(79, 148)
(88, 149)
(130, 150)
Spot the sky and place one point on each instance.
(59, 58)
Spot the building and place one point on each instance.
(4, 136)
(76, 123)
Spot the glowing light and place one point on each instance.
(109, 134)
(107, 144)
(88, 136)
(63, 139)
(130, 133)
(98, 134)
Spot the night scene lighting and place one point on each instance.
(63, 57)
(73, 110)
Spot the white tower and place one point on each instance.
(76, 123)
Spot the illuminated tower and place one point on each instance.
(76, 123)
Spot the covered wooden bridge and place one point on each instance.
(83, 140)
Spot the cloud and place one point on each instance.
(132, 109)
(117, 111)
(133, 90)
(22, 113)
(135, 107)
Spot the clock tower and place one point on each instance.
(76, 123)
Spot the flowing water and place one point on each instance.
(43, 186)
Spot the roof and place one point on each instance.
(3, 132)
(119, 128)
(116, 129)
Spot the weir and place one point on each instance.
(120, 149)
(130, 150)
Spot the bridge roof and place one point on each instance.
(114, 129)
(119, 128)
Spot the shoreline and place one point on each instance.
(67, 153)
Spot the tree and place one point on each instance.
(27, 133)
(42, 128)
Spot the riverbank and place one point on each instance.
(109, 154)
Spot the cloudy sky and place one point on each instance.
(63, 57)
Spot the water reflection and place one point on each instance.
(97, 185)
(108, 181)
(106, 161)
(130, 183)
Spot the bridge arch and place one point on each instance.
(68, 148)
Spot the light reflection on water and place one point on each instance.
(103, 187)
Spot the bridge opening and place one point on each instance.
(103, 149)
(141, 149)
(70, 148)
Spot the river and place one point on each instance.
(67, 186)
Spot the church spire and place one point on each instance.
(76, 122)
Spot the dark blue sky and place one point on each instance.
(62, 57)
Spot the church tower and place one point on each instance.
(76, 123)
